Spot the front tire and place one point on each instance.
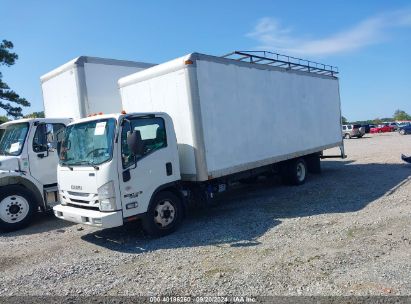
(17, 207)
(164, 214)
(402, 132)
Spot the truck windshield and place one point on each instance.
(88, 144)
(12, 138)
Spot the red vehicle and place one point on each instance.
(381, 129)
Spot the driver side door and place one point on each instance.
(43, 152)
(156, 166)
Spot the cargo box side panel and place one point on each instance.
(166, 93)
(253, 116)
(101, 88)
(60, 95)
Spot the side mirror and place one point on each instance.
(135, 143)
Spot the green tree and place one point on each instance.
(35, 115)
(344, 120)
(377, 121)
(10, 101)
(401, 115)
(3, 119)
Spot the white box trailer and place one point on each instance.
(85, 85)
(230, 116)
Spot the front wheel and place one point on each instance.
(402, 132)
(17, 207)
(164, 214)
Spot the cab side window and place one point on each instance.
(47, 136)
(153, 137)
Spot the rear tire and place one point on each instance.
(347, 136)
(164, 214)
(294, 172)
(402, 132)
(17, 207)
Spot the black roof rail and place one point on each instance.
(283, 61)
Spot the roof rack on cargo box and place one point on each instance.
(283, 61)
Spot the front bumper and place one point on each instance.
(89, 217)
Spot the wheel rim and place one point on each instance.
(402, 132)
(164, 214)
(14, 209)
(300, 172)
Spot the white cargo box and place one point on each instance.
(85, 85)
(231, 116)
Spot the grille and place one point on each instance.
(79, 201)
(78, 193)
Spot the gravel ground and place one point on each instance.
(344, 232)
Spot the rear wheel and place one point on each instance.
(164, 214)
(17, 207)
(347, 136)
(402, 132)
(295, 172)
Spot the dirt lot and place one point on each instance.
(344, 232)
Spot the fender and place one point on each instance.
(19, 178)
(173, 187)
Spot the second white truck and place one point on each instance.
(193, 126)
(28, 157)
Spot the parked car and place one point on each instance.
(349, 131)
(367, 127)
(381, 129)
(392, 124)
(405, 129)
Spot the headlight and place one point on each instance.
(106, 196)
(106, 191)
(108, 204)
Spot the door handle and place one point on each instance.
(169, 169)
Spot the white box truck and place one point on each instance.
(86, 85)
(195, 125)
(28, 157)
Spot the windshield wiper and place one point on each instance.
(83, 162)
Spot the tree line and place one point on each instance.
(399, 115)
